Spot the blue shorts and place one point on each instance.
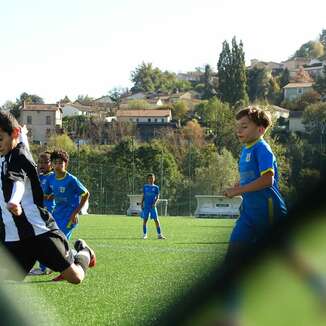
(251, 227)
(64, 226)
(152, 211)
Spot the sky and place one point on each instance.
(88, 47)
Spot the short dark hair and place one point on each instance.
(8, 122)
(60, 154)
(150, 175)
(256, 115)
(46, 154)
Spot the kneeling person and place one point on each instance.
(30, 233)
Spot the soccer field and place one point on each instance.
(134, 279)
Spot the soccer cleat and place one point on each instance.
(145, 236)
(37, 271)
(161, 237)
(59, 278)
(81, 244)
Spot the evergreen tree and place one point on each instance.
(232, 74)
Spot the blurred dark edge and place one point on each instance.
(308, 209)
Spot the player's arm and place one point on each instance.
(83, 199)
(156, 200)
(264, 181)
(13, 204)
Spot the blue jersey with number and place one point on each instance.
(151, 193)
(256, 160)
(48, 203)
(67, 192)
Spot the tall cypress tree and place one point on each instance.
(232, 74)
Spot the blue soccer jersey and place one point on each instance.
(67, 192)
(151, 193)
(259, 209)
(48, 203)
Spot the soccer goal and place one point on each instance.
(214, 205)
(135, 205)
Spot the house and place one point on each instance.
(191, 76)
(270, 65)
(279, 112)
(295, 122)
(294, 63)
(149, 123)
(76, 109)
(144, 116)
(293, 91)
(41, 120)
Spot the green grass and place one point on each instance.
(135, 279)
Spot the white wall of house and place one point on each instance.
(71, 111)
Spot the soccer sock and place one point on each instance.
(145, 228)
(82, 258)
(158, 228)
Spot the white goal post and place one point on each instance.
(135, 205)
(215, 205)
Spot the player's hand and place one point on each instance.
(231, 192)
(15, 209)
(74, 218)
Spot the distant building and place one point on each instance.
(191, 76)
(76, 109)
(149, 123)
(41, 120)
(293, 91)
(144, 116)
(295, 63)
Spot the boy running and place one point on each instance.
(151, 194)
(30, 233)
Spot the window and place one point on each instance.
(137, 120)
(29, 119)
(48, 120)
(155, 120)
(299, 90)
(149, 120)
(162, 120)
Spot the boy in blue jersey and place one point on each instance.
(262, 203)
(69, 193)
(151, 194)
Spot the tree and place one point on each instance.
(306, 99)
(302, 76)
(194, 133)
(116, 94)
(258, 83)
(85, 100)
(310, 50)
(208, 89)
(320, 85)
(284, 78)
(138, 104)
(314, 119)
(322, 38)
(232, 74)
(179, 110)
(61, 141)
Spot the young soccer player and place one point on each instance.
(151, 194)
(44, 169)
(262, 203)
(30, 232)
(69, 193)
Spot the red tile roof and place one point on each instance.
(40, 107)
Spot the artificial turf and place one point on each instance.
(136, 280)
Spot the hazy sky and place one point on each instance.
(72, 47)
